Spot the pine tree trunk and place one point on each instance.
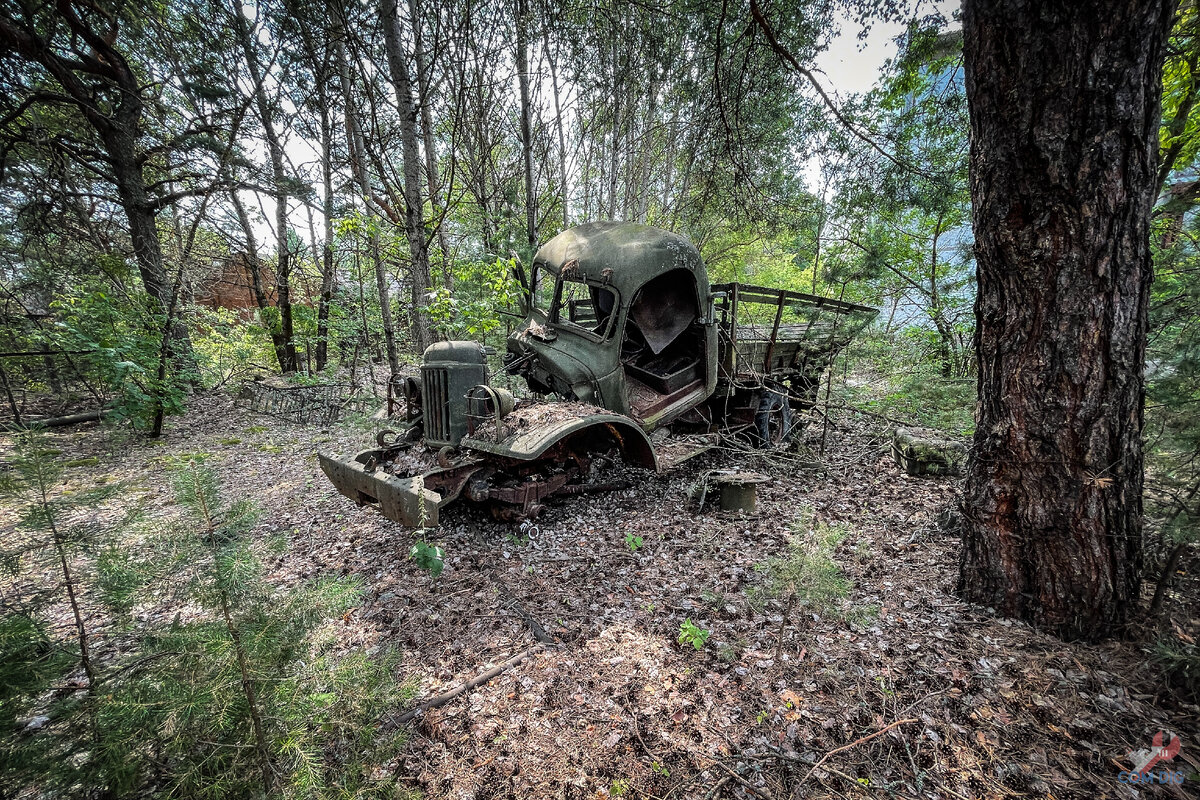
(1064, 109)
(328, 273)
(251, 695)
(254, 268)
(118, 120)
(617, 109)
(646, 157)
(433, 181)
(142, 215)
(564, 194)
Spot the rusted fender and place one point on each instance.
(526, 444)
(399, 499)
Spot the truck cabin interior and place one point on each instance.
(662, 349)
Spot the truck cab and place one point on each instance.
(620, 316)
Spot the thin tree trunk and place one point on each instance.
(359, 166)
(260, 738)
(526, 126)
(647, 147)
(425, 102)
(328, 273)
(564, 194)
(414, 222)
(85, 656)
(937, 311)
(283, 267)
(254, 268)
(614, 155)
(1064, 109)
(12, 401)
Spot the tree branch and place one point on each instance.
(789, 59)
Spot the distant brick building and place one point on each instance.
(231, 285)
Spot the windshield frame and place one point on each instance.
(553, 315)
(568, 325)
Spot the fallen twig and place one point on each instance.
(855, 743)
(446, 697)
(750, 787)
(57, 422)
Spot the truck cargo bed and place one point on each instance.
(772, 332)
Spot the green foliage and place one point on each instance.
(427, 557)
(120, 337)
(1173, 387)
(31, 661)
(470, 310)
(49, 539)
(227, 348)
(1180, 663)
(897, 375)
(223, 685)
(903, 224)
(1179, 133)
(633, 542)
(693, 634)
(251, 678)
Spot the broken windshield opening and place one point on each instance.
(585, 306)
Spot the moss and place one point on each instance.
(82, 462)
(927, 452)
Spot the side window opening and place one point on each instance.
(543, 289)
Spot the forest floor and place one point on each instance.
(887, 686)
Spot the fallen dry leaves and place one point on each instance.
(616, 706)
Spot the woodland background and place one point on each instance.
(193, 194)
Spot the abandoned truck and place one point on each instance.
(649, 363)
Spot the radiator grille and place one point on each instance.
(437, 404)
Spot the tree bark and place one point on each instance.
(254, 268)
(564, 193)
(328, 271)
(1064, 110)
(117, 120)
(433, 180)
(617, 108)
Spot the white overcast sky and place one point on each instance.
(852, 65)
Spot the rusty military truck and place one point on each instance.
(631, 358)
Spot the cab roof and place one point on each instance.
(625, 255)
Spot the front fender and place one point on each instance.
(525, 439)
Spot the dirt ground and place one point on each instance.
(897, 690)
